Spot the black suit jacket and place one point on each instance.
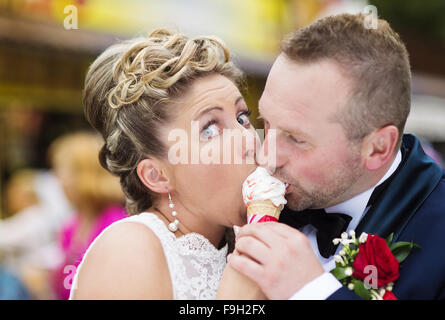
(412, 206)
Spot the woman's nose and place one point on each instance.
(261, 156)
(267, 154)
(251, 144)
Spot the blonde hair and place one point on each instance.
(91, 184)
(20, 190)
(128, 93)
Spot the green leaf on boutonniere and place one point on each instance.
(360, 290)
(402, 249)
(339, 273)
(389, 239)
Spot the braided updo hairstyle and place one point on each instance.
(128, 93)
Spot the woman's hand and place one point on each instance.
(278, 257)
(235, 286)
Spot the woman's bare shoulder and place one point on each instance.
(126, 262)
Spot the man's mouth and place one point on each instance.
(287, 187)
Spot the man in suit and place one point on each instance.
(338, 97)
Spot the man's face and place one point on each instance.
(313, 153)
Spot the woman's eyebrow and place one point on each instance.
(200, 113)
(207, 110)
(240, 98)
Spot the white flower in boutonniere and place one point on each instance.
(352, 234)
(355, 268)
(338, 259)
(363, 237)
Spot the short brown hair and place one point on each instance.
(128, 93)
(375, 59)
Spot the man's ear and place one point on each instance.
(153, 175)
(379, 147)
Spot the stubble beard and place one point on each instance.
(328, 194)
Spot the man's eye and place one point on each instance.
(295, 140)
(211, 130)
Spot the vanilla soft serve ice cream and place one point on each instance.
(263, 196)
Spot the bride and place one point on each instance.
(174, 244)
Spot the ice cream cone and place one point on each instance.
(265, 207)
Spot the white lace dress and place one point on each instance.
(195, 265)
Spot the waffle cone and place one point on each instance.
(264, 207)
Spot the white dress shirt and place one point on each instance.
(322, 287)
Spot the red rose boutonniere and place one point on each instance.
(369, 265)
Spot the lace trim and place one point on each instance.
(195, 265)
(194, 242)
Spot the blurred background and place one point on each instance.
(46, 47)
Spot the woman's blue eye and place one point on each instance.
(209, 131)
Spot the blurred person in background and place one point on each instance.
(93, 192)
(11, 288)
(36, 208)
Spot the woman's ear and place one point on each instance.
(153, 175)
(379, 147)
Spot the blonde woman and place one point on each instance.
(136, 94)
(95, 195)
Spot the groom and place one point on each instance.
(338, 97)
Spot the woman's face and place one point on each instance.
(211, 150)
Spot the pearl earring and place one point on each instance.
(173, 226)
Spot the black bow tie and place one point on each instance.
(329, 226)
